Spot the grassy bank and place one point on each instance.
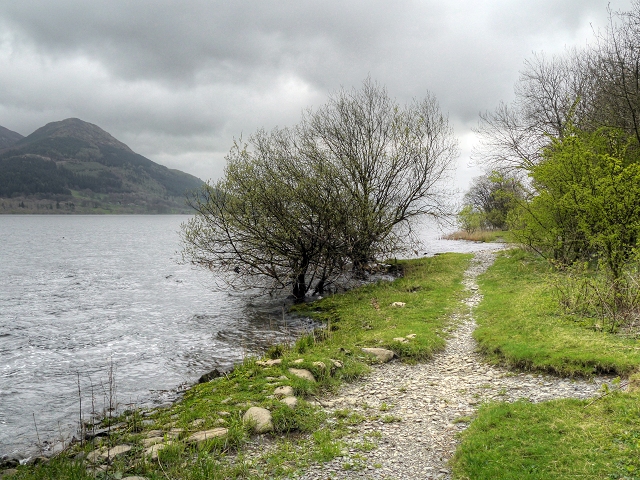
(414, 329)
(521, 324)
(561, 439)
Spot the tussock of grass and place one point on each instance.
(561, 439)
(521, 324)
(431, 290)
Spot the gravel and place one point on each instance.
(421, 408)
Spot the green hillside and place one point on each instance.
(73, 166)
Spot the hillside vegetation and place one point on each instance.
(73, 166)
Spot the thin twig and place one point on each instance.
(37, 434)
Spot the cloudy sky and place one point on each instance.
(178, 80)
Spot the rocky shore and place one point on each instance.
(409, 415)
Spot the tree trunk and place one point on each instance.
(300, 287)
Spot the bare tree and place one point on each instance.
(389, 162)
(616, 65)
(298, 208)
(550, 93)
(597, 86)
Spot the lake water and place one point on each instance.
(81, 296)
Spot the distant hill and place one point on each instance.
(80, 168)
(8, 138)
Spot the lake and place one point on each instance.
(85, 296)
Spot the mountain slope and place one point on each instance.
(8, 138)
(79, 160)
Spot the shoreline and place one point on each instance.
(325, 372)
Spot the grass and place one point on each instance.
(560, 439)
(521, 324)
(430, 289)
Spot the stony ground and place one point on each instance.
(413, 412)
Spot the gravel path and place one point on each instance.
(418, 405)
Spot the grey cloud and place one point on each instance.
(178, 80)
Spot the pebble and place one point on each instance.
(429, 398)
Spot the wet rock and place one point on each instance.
(382, 354)
(207, 435)
(207, 377)
(9, 462)
(302, 373)
(260, 418)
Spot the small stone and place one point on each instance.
(207, 435)
(285, 391)
(337, 363)
(223, 414)
(291, 402)
(115, 451)
(175, 432)
(94, 456)
(298, 361)
(260, 418)
(382, 354)
(302, 373)
(147, 442)
(401, 340)
(198, 422)
(97, 469)
(319, 365)
(8, 473)
(134, 478)
(154, 449)
(398, 304)
(269, 363)
(155, 433)
(411, 336)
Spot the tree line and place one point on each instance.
(27, 175)
(568, 148)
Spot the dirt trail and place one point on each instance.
(431, 400)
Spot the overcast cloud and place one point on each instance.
(177, 81)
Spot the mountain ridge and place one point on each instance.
(8, 138)
(86, 170)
